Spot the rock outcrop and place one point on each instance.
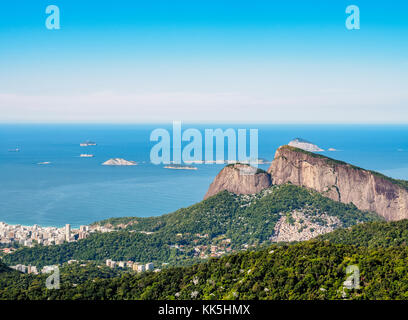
(239, 179)
(367, 190)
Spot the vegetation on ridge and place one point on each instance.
(314, 269)
(371, 235)
(307, 270)
(227, 221)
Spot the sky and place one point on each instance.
(204, 61)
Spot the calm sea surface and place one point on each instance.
(80, 190)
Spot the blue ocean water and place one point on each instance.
(80, 190)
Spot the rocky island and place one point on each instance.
(119, 162)
(305, 145)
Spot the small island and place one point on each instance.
(119, 162)
(87, 143)
(180, 167)
(305, 145)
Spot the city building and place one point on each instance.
(67, 232)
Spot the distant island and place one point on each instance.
(249, 161)
(305, 145)
(119, 162)
(87, 143)
(180, 167)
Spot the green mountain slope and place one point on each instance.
(307, 270)
(227, 221)
(242, 219)
(374, 234)
(251, 209)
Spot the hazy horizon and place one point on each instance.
(204, 61)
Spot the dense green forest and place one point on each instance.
(119, 245)
(307, 270)
(314, 269)
(246, 220)
(373, 234)
(15, 285)
(4, 268)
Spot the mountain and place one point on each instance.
(223, 223)
(340, 181)
(239, 179)
(310, 270)
(305, 145)
(244, 221)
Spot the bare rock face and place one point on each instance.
(302, 227)
(367, 190)
(239, 179)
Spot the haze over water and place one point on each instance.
(80, 190)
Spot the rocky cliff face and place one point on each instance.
(340, 181)
(239, 179)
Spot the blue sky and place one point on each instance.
(236, 61)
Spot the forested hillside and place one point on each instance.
(227, 221)
(307, 270)
(4, 268)
(374, 234)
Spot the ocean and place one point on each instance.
(80, 191)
